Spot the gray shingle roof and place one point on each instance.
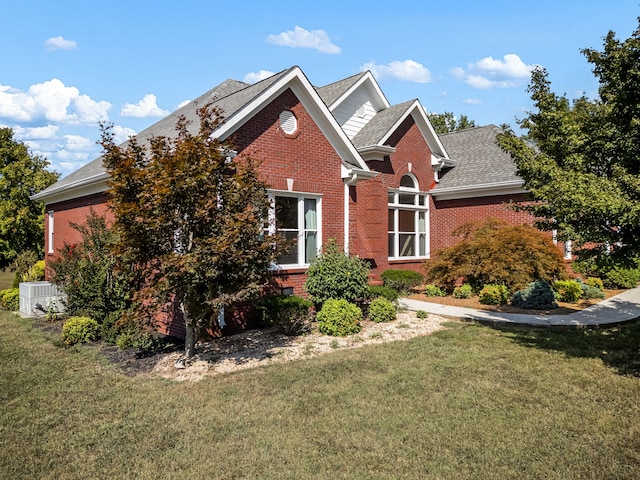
(331, 92)
(378, 127)
(480, 160)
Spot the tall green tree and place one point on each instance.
(581, 158)
(21, 219)
(447, 122)
(191, 220)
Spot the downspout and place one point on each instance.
(347, 183)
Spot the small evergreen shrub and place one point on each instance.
(590, 292)
(339, 318)
(376, 291)
(421, 314)
(537, 295)
(567, 291)
(10, 299)
(620, 277)
(594, 282)
(336, 275)
(463, 291)
(382, 310)
(434, 291)
(493, 294)
(402, 281)
(80, 330)
(291, 314)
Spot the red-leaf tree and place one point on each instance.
(191, 220)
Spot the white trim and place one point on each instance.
(485, 190)
(81, 188)
(51, 232)
(373, 88)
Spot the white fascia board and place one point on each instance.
(352, 175)
(371, 85)
(376, 152)
(420, 116)
(314, 105)
(484, 190)
(81, 188)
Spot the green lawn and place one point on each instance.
(470, 402)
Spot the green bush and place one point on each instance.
(339, 318)
(614, 272)
(594, 282)
(589, 292)
(537, 295)
(402, 281)
(10, 299)
(336, 275)
(35, 272)
(567, 291)
(291, 314)
(80, 330)
(494, 294)
(21, 265)
(620, 277)
(421, 314)
(434, 291)
(382, 310)
(376, 291)
(463, 291)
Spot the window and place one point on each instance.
(408, 217)
(296, 218)
(50, 233)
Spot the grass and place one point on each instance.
(468, 402)
(6, 279)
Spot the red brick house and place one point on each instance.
(342, 163)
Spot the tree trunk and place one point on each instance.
(191, 332)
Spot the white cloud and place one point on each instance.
(78, 143)
(52, 101)
(60, 43)
(183, 103)
(253, 77)
(122, 134)
(472, 101)
(301, 38)
(489, 72)
(409, 70)
(46, 132)
(147, 107)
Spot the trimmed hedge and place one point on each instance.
(80, 330)
(339, 318)
(382, 310)
(401, 281)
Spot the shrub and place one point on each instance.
(614, 272)
(589, 292)
(494, 294)
(291, 314)
(10, 299)
(567, 290)
(21, 265)
(35, 272)
(401, 281)
(463, 291)
(376, 291)
(421, 314)
(620, 277)
(339, 318)
(382, 310)
(80, 330)
(594, 282)
(537, 295)
(496, 253)
(434, 291)
(336, 275)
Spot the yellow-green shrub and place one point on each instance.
(80, 330)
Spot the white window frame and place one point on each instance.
(419, 206)
(50, 233)
(301, 230)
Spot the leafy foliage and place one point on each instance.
(191, 221)
(463, 291)
(10, 299)
(401, 281)
(339, 318)
(567, 290)
(447, 122)
(382, 310)
(21, 219)
(80, 330)
(422, 314)
(589, 291)
(495, 252)
(88, 271)
(613, 272)
(291, 314)
(494, 294)
(584, 170)
(537, 295)
(21, 265)
(433, 291)
(336, 275)
(376, 291)
(594, 282)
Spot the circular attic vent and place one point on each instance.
(288, 122)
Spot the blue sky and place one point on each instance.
(67, 65)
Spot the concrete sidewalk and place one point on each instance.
(621, 308)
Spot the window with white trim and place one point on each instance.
(408, 220)
(50, 232)
(296, 217)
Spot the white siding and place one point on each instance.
(355, 112)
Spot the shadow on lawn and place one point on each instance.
(618, 346)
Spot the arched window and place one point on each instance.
(408, 220)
